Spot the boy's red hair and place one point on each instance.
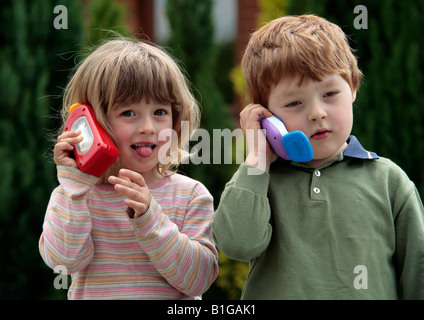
(306, 45)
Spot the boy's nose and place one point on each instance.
(317, 112)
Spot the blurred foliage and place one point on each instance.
(31, 78)
(239, 86)
(104, 16)
(271, 9)
(221, 72)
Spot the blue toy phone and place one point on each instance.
(292, 145)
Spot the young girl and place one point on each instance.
(140, 231)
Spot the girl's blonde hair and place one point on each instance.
(307, 45)
(123, 71)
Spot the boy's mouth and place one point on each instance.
(144, 149)
(321, 134)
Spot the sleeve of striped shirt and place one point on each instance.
(66, 238)
(187, 259)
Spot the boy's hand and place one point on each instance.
(65, 145)
(132, 185)
(249, 122)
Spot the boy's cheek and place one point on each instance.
(294, 123)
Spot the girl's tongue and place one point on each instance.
(144, 150)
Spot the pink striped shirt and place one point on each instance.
(168, 253)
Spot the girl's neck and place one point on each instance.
(152, 177)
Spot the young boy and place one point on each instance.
(346, 225)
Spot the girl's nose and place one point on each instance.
(146, 127)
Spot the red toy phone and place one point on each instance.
(96, 152)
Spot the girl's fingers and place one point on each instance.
(132, 176)
(138, 208)
(71, 137)
(69, 134)
(132, 185)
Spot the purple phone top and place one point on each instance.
(288, 145)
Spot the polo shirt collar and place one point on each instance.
(354, 149)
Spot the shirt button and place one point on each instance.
(318, 173)
(317, 190)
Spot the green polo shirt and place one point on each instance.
(350, 229)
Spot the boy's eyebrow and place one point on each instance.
(330, 82)
(291, 93)
(324, 83)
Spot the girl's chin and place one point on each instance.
(143, 170)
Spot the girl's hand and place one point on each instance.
(64, 146)
(249, 122)
(132, 185)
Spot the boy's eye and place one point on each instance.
(293, 104)
(128, 113)
(330, 94)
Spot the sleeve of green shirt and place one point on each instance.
(241, 225)
(410, 247)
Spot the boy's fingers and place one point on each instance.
(266, 113)
(249, 116)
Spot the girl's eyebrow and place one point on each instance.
(163, 105)
(128, 106)
(120, 106)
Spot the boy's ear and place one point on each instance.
(354, 96)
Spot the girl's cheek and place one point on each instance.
(122, 133)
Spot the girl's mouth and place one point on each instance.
(144, 149)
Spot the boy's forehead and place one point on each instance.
(298, 82)
(292, 86)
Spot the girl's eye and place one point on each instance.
(128, 113)
(160, 112)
